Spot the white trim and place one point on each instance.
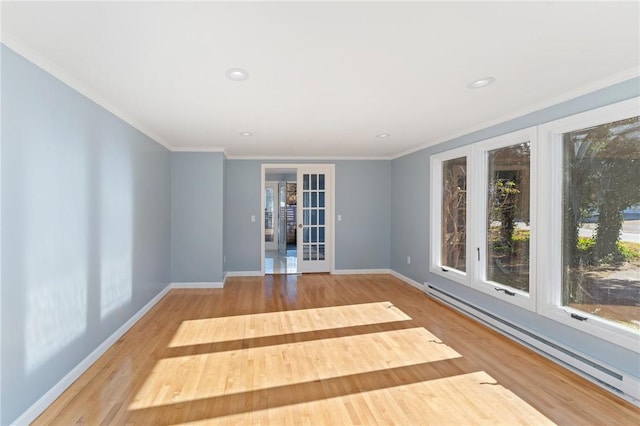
(52, 394)
(360, 271)
(567, 96)
(196, 149)
(1, 287)
(305, 158)
(244, 274)
(263, 202)
(408, 280)
(79, 87)
(198, 285)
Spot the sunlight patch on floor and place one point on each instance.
(195, 377)
(477, 399)
(211, 330)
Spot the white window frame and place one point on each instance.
(435, 263)
(550, 186)
(478, 188)
(546, 174)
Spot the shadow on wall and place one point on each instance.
(77, 252)
(70, 229)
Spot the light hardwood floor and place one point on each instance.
(321, 349)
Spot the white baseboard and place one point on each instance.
(408, 280)
(360, 271)
(198, 285)
(244, 274)
(47, 399)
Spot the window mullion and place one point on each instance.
(475, 253)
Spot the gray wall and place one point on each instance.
(409, 215)
(197, 210)
(410, 219)
(242, 246)
(362, 198)
(85, 229)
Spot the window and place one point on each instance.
(593, 184)
(503, 200)
(454, 213)
(490, 249)
(575, 255)
(601, 201)
(449, 214)
(508, 232)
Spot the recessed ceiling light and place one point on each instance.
(236, 74)
(483, 82)
(383, 135)
(246, 134)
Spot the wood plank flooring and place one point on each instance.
(324, 350)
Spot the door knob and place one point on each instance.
(300, 225)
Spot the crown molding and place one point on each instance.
(197, 149)
(304, 158)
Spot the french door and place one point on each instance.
(271, 216)
(282, 218)
(314, 218)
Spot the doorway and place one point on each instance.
(280, 221)
(297, 225)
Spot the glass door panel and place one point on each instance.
(282, 218)
(271, 216)
(312, 243)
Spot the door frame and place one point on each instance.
(330, 244)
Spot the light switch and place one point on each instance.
(339, 218)
(253, 218)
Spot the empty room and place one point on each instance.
(322, 213)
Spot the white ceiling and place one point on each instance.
(325, 77)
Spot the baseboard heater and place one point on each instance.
(609, 378)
